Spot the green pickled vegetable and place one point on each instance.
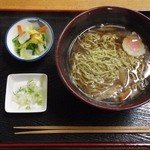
(32, 42)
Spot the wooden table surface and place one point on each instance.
(69, 5)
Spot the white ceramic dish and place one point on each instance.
(14, 82)
(36, 23)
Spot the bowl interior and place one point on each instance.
(28, 22)
(129, 19)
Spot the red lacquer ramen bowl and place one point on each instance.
(107, 15)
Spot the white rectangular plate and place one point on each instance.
(14, 81)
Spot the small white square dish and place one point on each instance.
(26, 93)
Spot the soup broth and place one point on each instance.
(109, 62)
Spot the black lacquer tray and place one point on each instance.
(63, 107)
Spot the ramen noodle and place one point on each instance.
(108, 62)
